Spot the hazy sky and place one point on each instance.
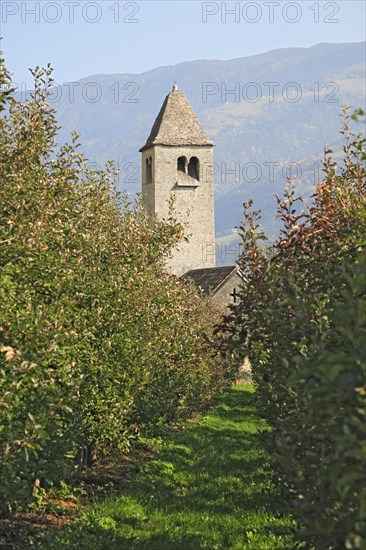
(81, 38)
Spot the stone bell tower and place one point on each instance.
(177, 162)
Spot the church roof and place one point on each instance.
(176, 124)
(210, 279)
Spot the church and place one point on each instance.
(177, 163)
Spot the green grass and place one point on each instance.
(206, 488)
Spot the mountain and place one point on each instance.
(283, 108)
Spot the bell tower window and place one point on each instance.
(194, 168)
(182, 164)
(149, 170)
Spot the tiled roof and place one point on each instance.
(210, 279)
(176, 124)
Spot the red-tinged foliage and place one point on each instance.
(301, 321)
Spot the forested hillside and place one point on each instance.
(283, 108)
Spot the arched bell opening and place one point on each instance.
(149, 170)
(182, 164)
(194, 168)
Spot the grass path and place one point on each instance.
(206, 488)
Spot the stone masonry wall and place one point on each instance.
(194, 206)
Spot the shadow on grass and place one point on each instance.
(208, 488)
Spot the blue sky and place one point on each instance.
(81, 38)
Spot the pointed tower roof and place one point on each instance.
(176, 124)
